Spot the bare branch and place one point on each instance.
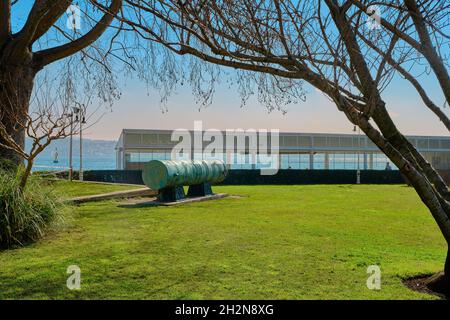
(48, 56)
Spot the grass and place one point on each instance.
(73, 189)
(275, 242)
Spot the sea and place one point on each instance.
(97, 155)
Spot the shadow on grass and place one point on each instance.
(429, 284)
(138, 205)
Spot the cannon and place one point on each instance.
(169, 177)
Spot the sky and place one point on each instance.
(140, 108)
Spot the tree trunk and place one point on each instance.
(18, 136)
(26, 174)
(16, 85)
(398, 150)
(440, 282)
(447, 267)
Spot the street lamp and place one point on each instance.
(82, 121)
(358, 171)
(76, 111)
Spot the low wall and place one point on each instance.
(254, 177)
(114, 176)
(236, 177)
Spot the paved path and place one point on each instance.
(143, 192)
(137, 203)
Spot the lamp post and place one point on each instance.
(82, 121)
(75, 111)
(358, 171)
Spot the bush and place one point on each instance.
(25, 215)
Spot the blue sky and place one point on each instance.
(140, 108)
(317, 114)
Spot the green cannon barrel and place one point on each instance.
(161, 174)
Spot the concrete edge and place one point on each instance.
(155, 202)
(143, 192)
(99, 182)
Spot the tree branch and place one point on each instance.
(408, 76)
(5, 20)
(54, 13)
(411, 41)
(48, 56)
(428, 49)
(25, 36)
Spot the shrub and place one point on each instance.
(25, 215)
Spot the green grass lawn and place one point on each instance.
(72, 189)
(275, 242)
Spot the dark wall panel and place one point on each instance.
(254, 177)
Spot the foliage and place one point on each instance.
(25, 215)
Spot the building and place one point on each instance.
(315, 151)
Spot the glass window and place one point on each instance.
(350, 161)
(333, 141)
(164, 138)
(445, 144)
(370, 144)
(294, 161)
(132, 139)
(337, 161)
(319, 161)
(145, 156)
(159, 156)
(346, 142)
(304, 142)
(304, 162)
(434, 144)
(284, 161)
(235, 161)
(422, 143)
(247, 161)
(359, 142)
(380, 161)
(133, 157)
(149, 139)
(290, 141)
(320, 141)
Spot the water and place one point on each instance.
(96, 162)
(97, 155)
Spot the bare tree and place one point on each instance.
(321, 43)
(51, 116)
(43, 40)
(42, 126)
(417, 33)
